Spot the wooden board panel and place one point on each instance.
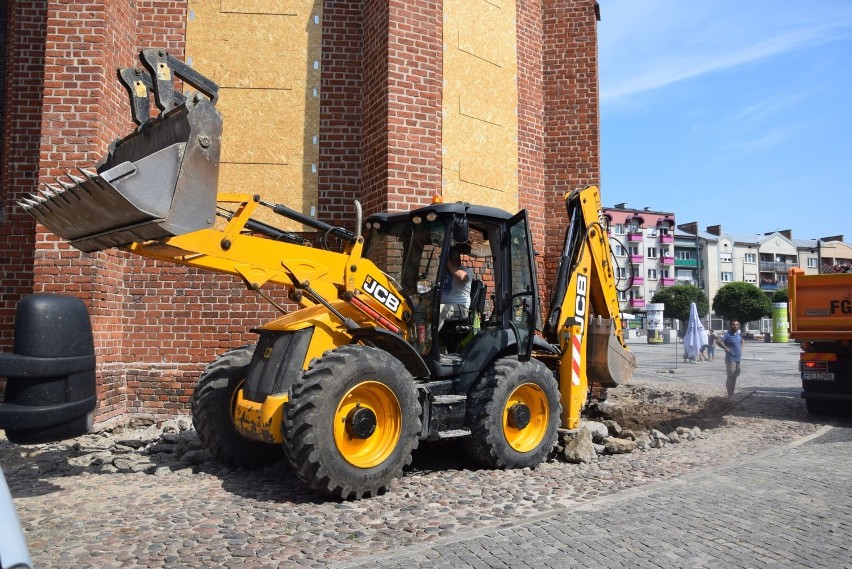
(265, 56)
(480, 148)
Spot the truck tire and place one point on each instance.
(513, 414)
(351, 422)
(819, 406)
(213, 410)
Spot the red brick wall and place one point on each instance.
(571, 116)
(415, 63)
(531, 182)
(24, 84)
(342, 105)
(402, 103)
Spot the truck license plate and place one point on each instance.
(819, 375)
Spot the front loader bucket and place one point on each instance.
(158, 182)
(609, 363)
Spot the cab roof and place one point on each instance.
(476, 212)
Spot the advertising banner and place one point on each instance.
(655, 322)
(780, 332)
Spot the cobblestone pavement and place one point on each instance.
(789, 507)
(210, 516)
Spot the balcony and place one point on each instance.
(636, 259)
(637, 303)
(770, 286)
(667, 261)
(667, 281)
(778, 267)
(686, 263)
(634, 237)
(666, 238)
(638, 281)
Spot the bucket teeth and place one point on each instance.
(49, 192)
(65, 185)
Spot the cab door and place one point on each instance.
(522, 290)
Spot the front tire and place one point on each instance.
(213, 403)
(352, 422)
(513, 414)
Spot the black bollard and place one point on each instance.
(50, 376)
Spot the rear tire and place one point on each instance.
(819, 406)
(213, 403)
(352, 422)
(513, 414)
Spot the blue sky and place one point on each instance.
(728, 112)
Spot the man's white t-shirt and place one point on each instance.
(454, 291)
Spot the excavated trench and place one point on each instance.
(645, 407)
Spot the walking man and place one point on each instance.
(732, 342)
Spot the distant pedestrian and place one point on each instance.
(732, 342)
(711, 345)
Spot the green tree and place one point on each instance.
(741, 301)
(678, 298)
(780, 295)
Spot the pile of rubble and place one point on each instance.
(157, 447)
(144, 445)
(594, 438)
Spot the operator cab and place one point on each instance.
(413, 250)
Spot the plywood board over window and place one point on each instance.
(265, 55)
(480, 124)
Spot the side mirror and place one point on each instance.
(461, 230)
(424, 286)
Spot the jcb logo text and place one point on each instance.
(381, 294)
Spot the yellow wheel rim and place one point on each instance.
(376, 447)
(530, 435)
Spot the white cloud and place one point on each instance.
(654, 43)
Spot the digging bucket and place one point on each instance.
(158, 182)
(609, 363)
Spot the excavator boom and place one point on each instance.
(584, 314)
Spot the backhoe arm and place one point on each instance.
(584, 314)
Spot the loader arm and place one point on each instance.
(584, 316)
(313, 276)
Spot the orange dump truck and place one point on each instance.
(820, 315)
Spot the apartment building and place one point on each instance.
(643, 242)
(651, 253)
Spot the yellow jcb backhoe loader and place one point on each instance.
(347, 385)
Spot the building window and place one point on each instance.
(652, 252)
(684, 255)
(727, 277)
(634, 250)
(619, 229)
(619, 251)
(622, 295)
(725, 257)
(664, 273)
(782, 279)
(622, 273)
(749, 258)
(652, 274)
(812, 263)
(651, 232)
(751, 279)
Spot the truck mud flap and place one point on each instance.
(609, 363)
(158, 182)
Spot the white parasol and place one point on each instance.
(695, 336)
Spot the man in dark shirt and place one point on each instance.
(732, 342)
